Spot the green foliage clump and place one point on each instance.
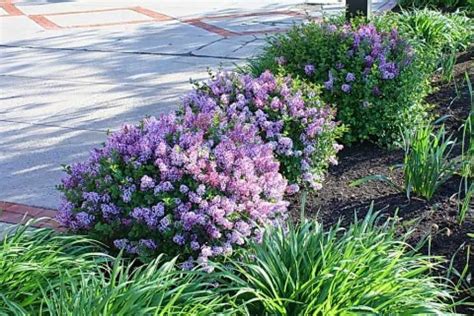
(364, 270)
(32, 260)
(300, 270)
(427, 164)
(46, 273)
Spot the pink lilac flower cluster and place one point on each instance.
(189, 185)
(296, 124)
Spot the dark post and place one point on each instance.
(358, 7)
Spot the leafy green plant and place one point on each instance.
(30, 260)
(466, 186)
(426, 164)
(305, 270)
(465, 203)
(123, 289)
(467, 145)
(43, 272)
(430, 28)
(464, 285)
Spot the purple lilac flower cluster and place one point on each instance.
(371, 76)
(379, 51)
(296, 124)
(188, 185)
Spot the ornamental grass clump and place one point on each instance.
(363, 270)
(34, 259)
(372, 77)
(193, 186)
(288, 115)
(43, 272)
(427, 164)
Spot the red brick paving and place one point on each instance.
(152, 14)
(198, 22)
(44, 22)
(210, 28)
(11, 9)
(15, 213)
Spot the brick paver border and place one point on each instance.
(14, 213)
(11, 9)
(198, 22)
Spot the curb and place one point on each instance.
(14, 213)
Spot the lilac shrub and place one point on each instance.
(190, 185)
(288, 115)
(372, 77)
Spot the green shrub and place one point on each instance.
(362, 270)
(374, 78)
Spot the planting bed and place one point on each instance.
(438, 217)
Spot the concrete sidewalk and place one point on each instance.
(72, 69)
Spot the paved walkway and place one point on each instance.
(72, 69)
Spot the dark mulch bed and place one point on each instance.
(436, 218)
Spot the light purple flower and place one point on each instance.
(147, 243)
(292, 189)
(281, 60)
(195, 245)
(206, 251)
(187, 265)
(309, 69)
(179, 239)
(147, 183)
(183, 189)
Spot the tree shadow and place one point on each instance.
(62, 90)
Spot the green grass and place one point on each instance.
(30, 260)
(43, 272)
(299, 270)
(364, 270)
(427, 164)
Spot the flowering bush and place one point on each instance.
(369, 75)
(192, 186)
(288, 114)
